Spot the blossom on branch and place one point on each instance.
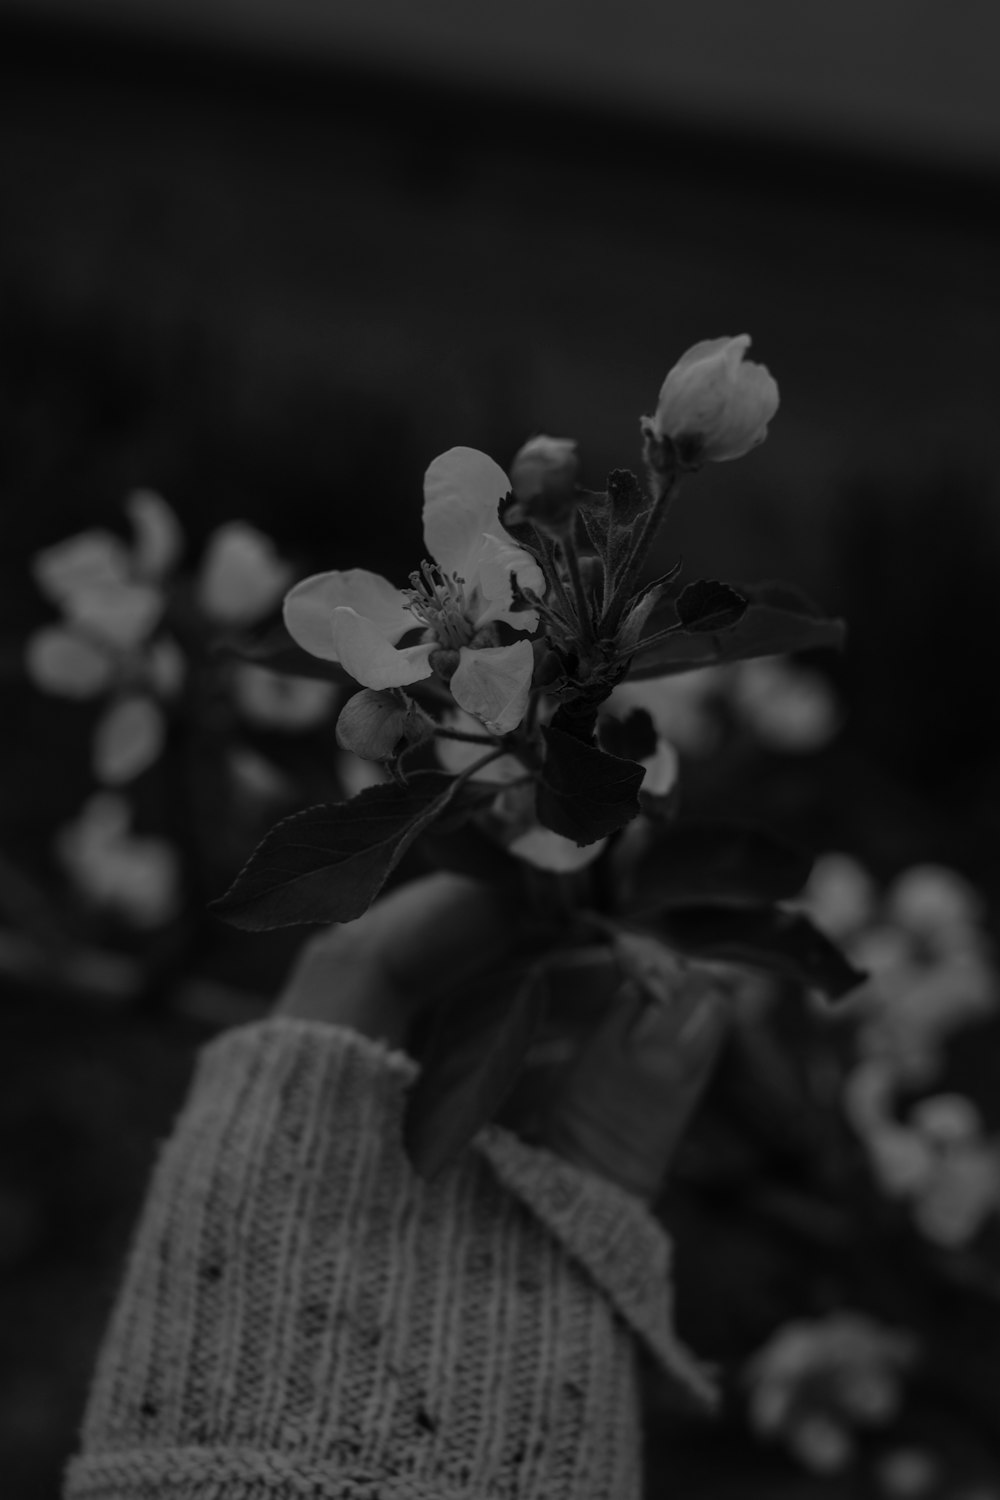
(713, 406)
(358, 618)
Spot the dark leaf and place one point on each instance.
(778, 620)
(585, 794)
(709, 605)
(328, 863)
(472, 1062)
(467, 850)
(782, 942)
(634, 737)
(695, 862)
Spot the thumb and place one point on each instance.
(625, 1102)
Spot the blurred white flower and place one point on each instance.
(681, 708)
(137, 877)
(242, 577)
(62, 662)
(785, 706)
(127, 740)
(936, 905)
(356, 774)
(815, 1380)
(906, 1473)
(112, 597)
(840, 895)
(256, 778)
(278, 701)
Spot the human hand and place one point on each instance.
(618, 1098)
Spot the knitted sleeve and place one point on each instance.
(302, 1315)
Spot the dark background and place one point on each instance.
(275, 288)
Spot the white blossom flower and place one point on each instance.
(111, 596)
(681, 707)
(815, 1380)
(127, 739)
(786, 707)
(241, 577)
(357, 618)
(276, 700)
(840, 895)
(138, 877)
(715, 404)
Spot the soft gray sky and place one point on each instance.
(917, 76)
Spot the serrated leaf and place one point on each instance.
(474, 1057)
(702, 861)
(782, 942)
(778, 620)
(328, 863)
(585, 793)
(709, 605)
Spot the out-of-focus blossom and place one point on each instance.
(785, 706)
(680, 707)
(936, 905)
(714, 405)
(938, 1160)
(257, 779)
(137, 877)
(127, 740)
(840, 895)
(356, 775)
(111, 596)
(356, 618)
(907, 1473)
(242, 576)
(813, 1382)
(278, 701)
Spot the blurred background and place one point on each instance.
(268, 260)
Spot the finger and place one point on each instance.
(375, 972)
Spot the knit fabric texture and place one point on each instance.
(303, 1315)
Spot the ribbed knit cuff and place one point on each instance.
(302, 1315)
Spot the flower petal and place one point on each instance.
(81, 562)
(375, 662)
(462, 491)
(120, 615)
(494, 684)
(281, 702)
(127, 740)
(550, 851)
(497, 558)
(242, 577)
(458, 755)
(59, 661)
(309, 608)
(159, 539)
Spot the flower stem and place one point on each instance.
(460, 734)
(582, 603)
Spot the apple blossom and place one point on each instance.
(713, 406)
(543, 478)
(242, 577)
(357, 618)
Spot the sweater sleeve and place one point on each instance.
(302, 1315)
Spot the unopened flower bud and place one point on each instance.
(381, 724)
(713, 405)
(543, 480)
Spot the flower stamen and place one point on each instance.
(438, 600)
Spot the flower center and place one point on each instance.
(438, 601)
